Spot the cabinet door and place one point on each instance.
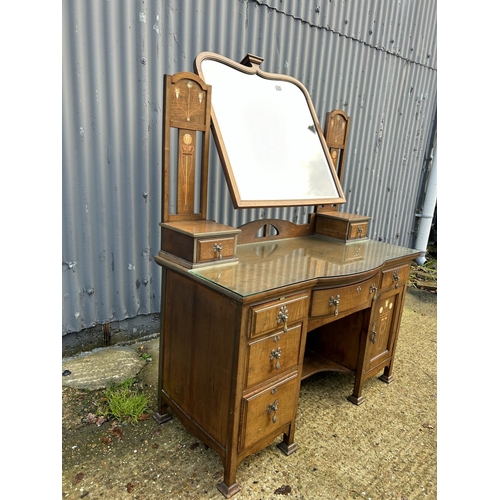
(383, 329)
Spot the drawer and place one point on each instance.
(273, 355)
(199, 242)
(339, 300)
(357, 230)
(395, 277)
(264, 413)
(342, 225)
(215, 249)
(278, 314)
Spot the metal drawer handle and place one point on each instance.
(218, 250)
(273, 407)
(395, 277)
(334, 301)
(276, 354)
(360, 231)
(373, 288)
(283, 317)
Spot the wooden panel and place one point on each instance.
(208, 248)
(271, 315)
(395, 277)
(272, 229)
(263, 363)
(186, 164)
(332, 227)
(336, 135)
(340, 300)
(259, 418)
(189, 100)
(336, 129)
(186, 105)
(384, 325)
(198, 351)
(181, 245)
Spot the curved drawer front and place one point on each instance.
(265, 412)
(395, 277)
(339, 300)
(271, 356)
(278, 314)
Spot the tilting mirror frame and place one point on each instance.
(250, 65)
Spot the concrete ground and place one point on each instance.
(383, 449)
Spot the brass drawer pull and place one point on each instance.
(395, 277)
(276, 354)
(360, 231)
(334, 301)
(373, 288)
(218, 250)
(283, 317)
(273, 407)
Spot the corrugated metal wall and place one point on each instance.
(374, 59)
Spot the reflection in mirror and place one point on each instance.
(268, 137)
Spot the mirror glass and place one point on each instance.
(268, 137)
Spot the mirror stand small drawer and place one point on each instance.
(197, 243)
(342, 225)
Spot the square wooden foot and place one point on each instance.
(386, 379)
(161, 419)
(228, 491)
(287, 449)
(357, 400)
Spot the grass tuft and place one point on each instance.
(123, 402)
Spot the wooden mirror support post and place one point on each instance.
(329, 221)
(186, 101)
(186, 236)
(336, 135)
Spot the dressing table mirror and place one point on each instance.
(267, 136)
(249, 312)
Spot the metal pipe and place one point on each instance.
(427, 214)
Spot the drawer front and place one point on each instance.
(273, 355)
(395, 277)
(357, 230)
(265, 412)
(339, 300)
(278, 314)
(215, 249)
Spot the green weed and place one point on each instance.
(123, 402)
(145, 356)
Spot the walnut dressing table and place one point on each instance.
(249, 312)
